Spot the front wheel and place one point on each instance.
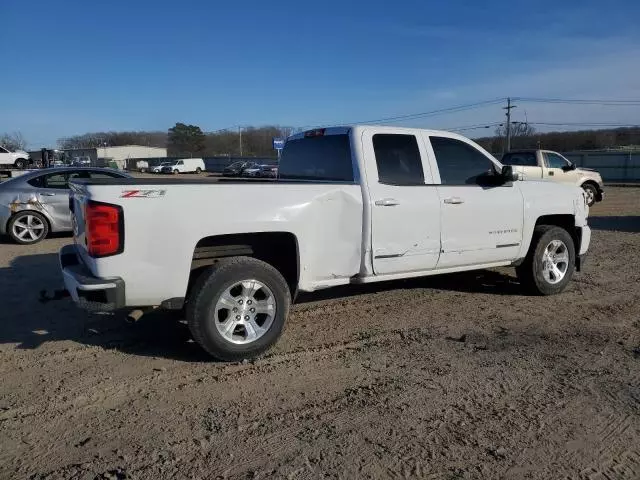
(550, 263)
(176, 172)
(237, 309)
(20, 163)
(592, 193)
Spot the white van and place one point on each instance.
(185, 165)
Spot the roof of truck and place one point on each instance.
(338, 129)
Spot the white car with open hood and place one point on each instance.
(351, 205)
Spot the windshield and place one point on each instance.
(320, 158)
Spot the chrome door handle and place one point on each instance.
(453, 200)
(387, 202)
(48, 194)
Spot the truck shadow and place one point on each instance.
(29, 321)
(629, 224)
(479, 281)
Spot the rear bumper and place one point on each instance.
(89, 292)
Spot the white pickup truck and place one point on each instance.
(351, 205)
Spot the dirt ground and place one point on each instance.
(451, 377)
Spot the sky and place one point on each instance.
(73, 67)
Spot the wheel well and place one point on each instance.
(589, 182)
(566, 222)
(279, 249)
(46, 219)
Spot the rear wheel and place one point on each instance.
(237, 309)
(198, 170)
(28, 227)
(550, 263)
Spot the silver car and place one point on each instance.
(37, 202)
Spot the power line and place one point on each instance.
(473, 127)
(586, 124)
(576, 101)
(413, 116)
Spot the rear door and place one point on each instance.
(405, 210)
(481, 217)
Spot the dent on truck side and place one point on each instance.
(330, 247)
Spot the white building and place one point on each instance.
(120, 154)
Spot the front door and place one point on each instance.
(556, 169)
(481, 218)
(405, 212)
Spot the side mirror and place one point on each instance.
(508, 175)
(568, 168)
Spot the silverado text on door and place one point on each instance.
(351, 205)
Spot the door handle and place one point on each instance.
(387, 202)
(48, 194)
(551, 174)
(453, 200)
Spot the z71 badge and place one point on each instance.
(142, 193)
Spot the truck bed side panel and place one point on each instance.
(162, 230)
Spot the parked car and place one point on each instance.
(18, 158)
(267, 171)
(158, 168)
(186, 165)
(37, 203)
(552, 166)
(352, 205)
(236, 169)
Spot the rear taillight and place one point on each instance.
(104, 228)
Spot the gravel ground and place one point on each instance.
(444, 378)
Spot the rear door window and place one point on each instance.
(398, 159)
(317, 158)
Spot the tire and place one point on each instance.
(20, 163)
(227, 284)
(176, 172)
(533, 275)
(198, 170)
(20, 232)
(592, 192)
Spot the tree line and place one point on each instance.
(189, 140)
(525, 136)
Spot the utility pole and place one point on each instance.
(508, 109)
(240, 132)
